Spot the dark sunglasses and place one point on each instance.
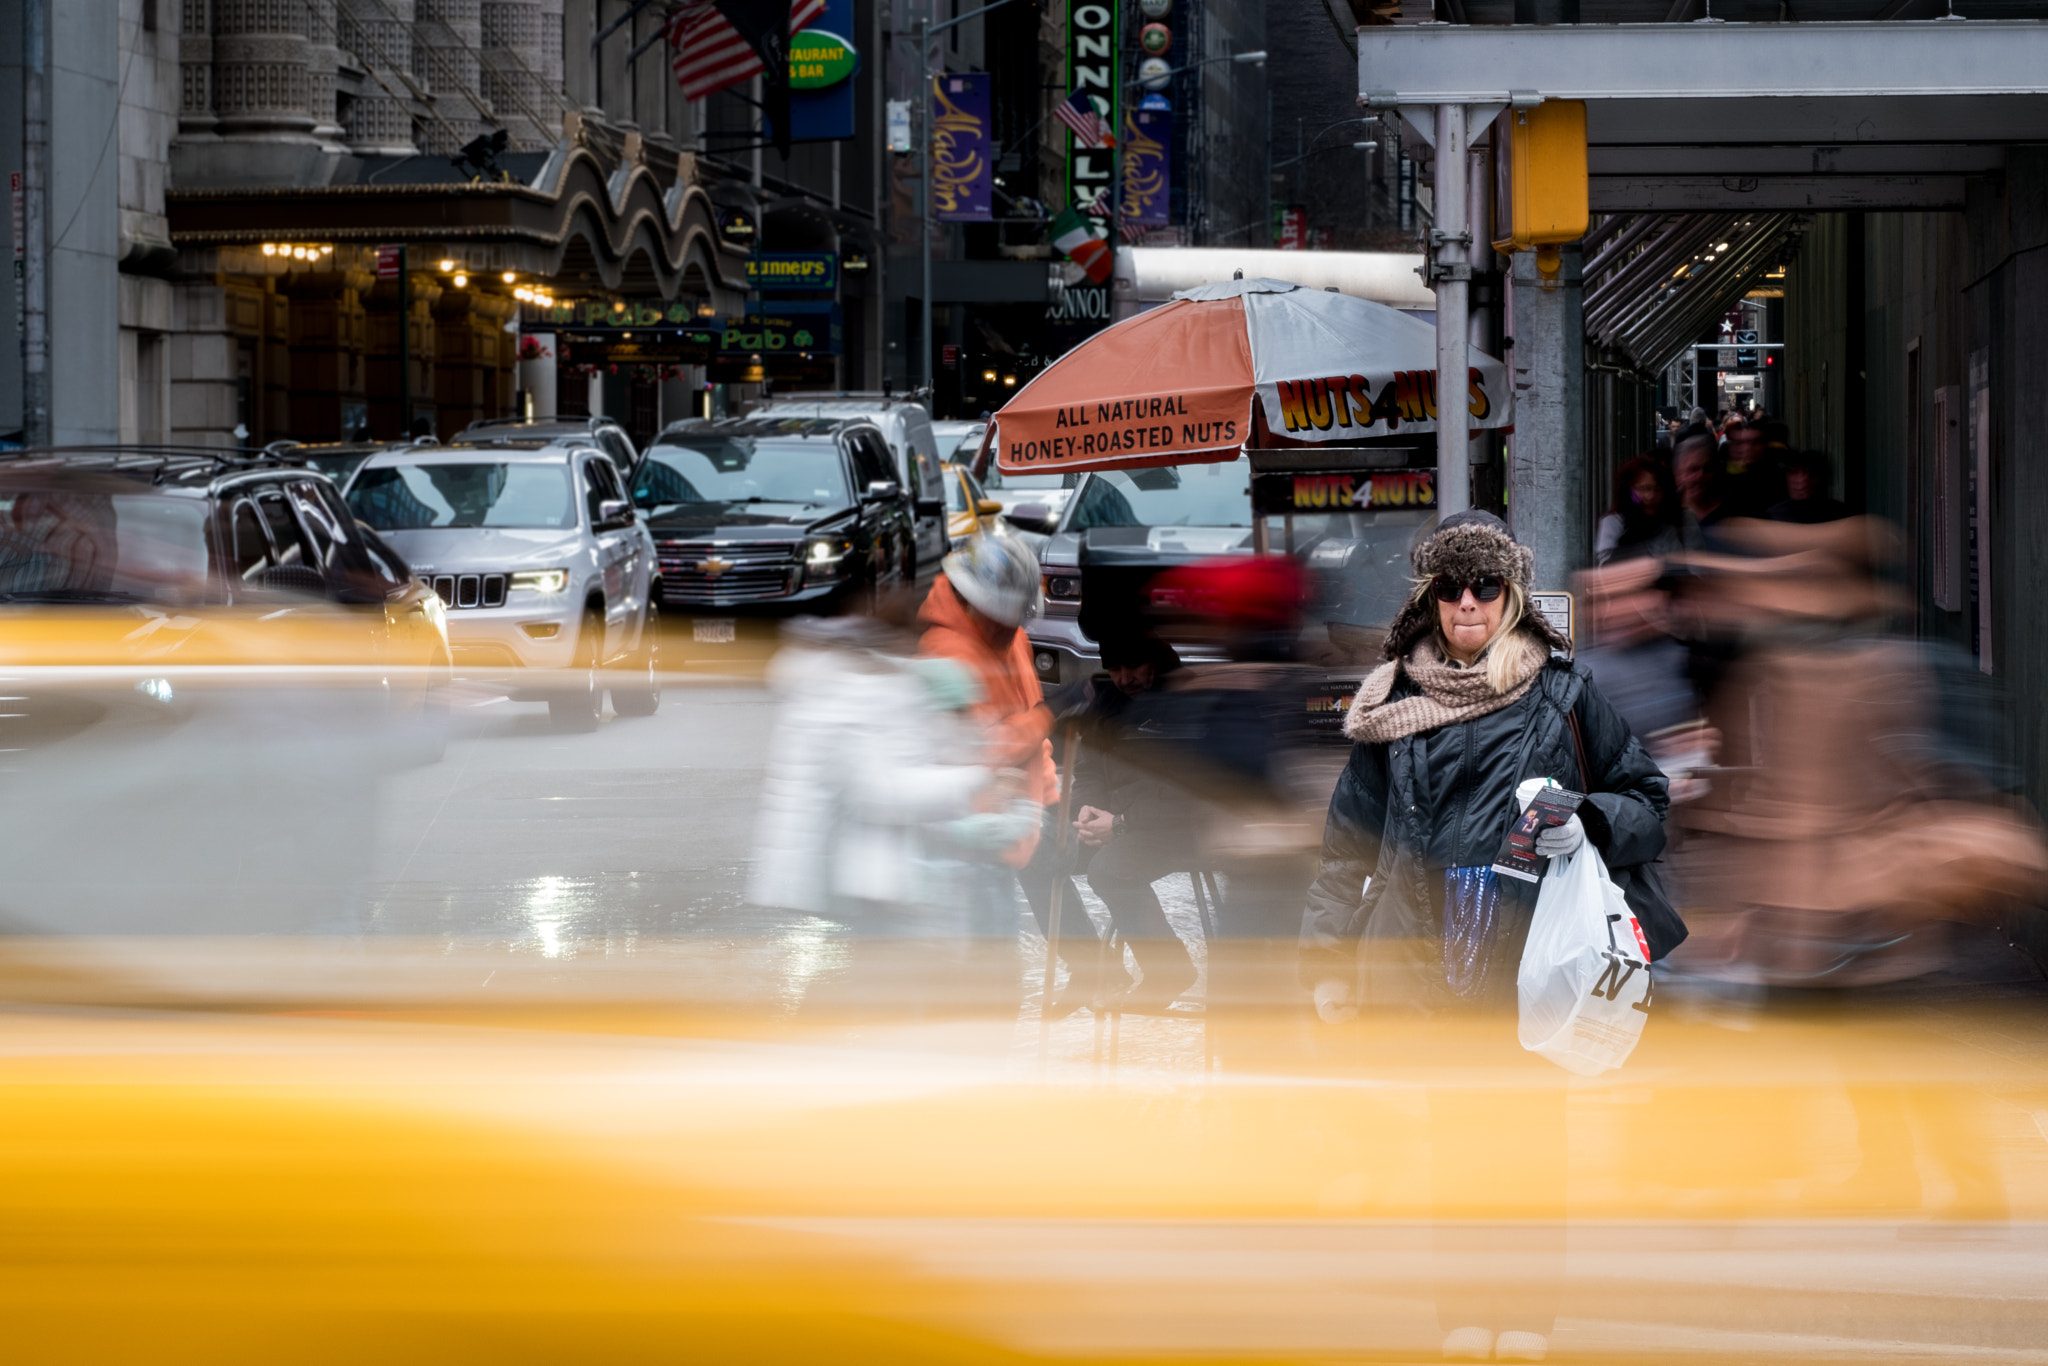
(1485, 588)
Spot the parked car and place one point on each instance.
(767, 516)
(1123, 526)
(968, 509)
(959, 442)
(1032, 503)
(603, 432)
(533, 545)
(914, 451)
(165, 557)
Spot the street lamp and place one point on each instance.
(926, 31)
(1303, 151)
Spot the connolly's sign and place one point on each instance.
(1344, 406)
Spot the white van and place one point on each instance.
(908, 427)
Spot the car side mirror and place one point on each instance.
(1032, 517)
(987, 507)
(613, 513)
(883, 490)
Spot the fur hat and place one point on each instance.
(1465, 546)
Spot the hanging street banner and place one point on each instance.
(1148, 176)
(821, 95)
(962, 165)
(1092, 70)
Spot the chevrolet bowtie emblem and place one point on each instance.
(713, 566)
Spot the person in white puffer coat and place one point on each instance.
(875, 805)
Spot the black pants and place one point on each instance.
(1050, 866)
(1122, 873)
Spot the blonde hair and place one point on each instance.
(1502, 666)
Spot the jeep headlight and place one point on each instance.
(541, 580)
(825, 557)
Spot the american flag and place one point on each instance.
(1078, 112)
(707, 53)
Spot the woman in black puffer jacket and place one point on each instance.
(1407, 910)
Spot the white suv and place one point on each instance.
(543, 563)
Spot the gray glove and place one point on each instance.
(1560, 840)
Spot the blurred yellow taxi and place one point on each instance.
(968, 509)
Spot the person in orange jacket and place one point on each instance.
(975, 615)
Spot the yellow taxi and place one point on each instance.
(967, 508)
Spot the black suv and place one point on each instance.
(759, 516)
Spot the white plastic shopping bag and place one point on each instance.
(1584, 984)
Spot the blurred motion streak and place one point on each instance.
(583, 1174)
(239, 1123)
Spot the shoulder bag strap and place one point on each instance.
(1571, 717)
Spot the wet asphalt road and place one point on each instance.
(535, 837)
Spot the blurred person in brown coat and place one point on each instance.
(1850, 840)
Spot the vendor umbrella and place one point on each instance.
(1183, 383)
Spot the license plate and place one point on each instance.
(714, 630)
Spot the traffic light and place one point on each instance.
(1539, 167)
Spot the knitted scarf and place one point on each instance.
(1449, 694)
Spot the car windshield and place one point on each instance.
(1166, 495)
(65, 546)
(466, 494)
(685, 468)
(998, 480)
(1361, 560)
(956, 492)
(336, 465)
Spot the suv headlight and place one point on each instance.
(1063, 587)
(825, 557)
(541, 580)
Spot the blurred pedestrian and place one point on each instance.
(1134, 664)
(1702, 488)
(1752, 476)
(879, 808)
(1642, 521)
(1407, 910)
(974, 614)
(1134, 823)
(1806, 499)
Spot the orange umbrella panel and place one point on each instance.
(1169, 387)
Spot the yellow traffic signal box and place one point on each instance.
(1539, 159)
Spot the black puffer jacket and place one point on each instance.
(1404, 811)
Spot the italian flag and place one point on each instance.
(1072, 235)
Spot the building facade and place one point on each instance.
(318, 218)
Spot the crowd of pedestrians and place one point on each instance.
(1705, 472)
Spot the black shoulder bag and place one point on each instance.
(1642, 886)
